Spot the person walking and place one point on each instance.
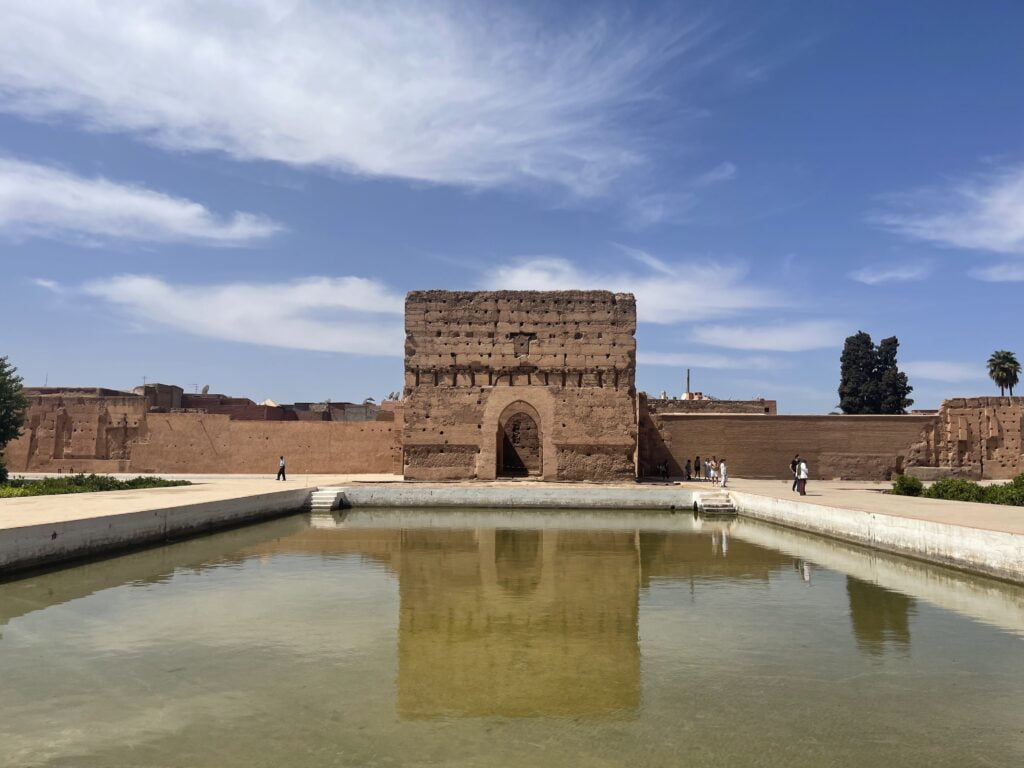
(280, 470)
(793, 466)
(697, 466)
(707, 470)
(688, 470)
(801, 477)
(724, 472)
(714, 470)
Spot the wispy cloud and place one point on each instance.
(698, 360)
(876, 274)
(44, 201)
(775, 337)
(331, 314)
(48, 285)
(667, 293)
(1008, 272)
(644, 210)
(943, 370)
(722, 172)
(479, 95)
(984, 212)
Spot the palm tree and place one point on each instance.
(1004, 370)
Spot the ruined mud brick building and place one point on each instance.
(159, 429)
(520, 383)
(972, 437)
(508, 384)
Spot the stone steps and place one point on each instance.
(716, 504)
(325, 499)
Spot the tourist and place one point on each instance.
(714, 470)
(688, 470)
(697, 467)
(280, 470)
(707, 469)
(801, 477)
(723, 472)
(793, 466)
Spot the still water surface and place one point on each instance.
(498, 640)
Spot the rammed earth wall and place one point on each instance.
(980, 437)
(757, 446)
(116, 434)
(481, 366)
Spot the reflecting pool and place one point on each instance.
(396, 638)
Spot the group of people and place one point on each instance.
(713, 470)
(800, 474)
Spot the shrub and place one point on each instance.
(955, 489)
(1011, 494)
(3, 473)
(49, 486)
(906, 485)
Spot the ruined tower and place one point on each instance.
(520, 384)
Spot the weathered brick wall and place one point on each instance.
(846, 447)
(87, 433)
(677, 405)
(116, 434)
(981, 437)
(474, 359)
(194, 442)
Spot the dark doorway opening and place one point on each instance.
(519, 453)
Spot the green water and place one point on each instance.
(510, 640)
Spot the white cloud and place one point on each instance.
(776, 337)
(43, 201)
(478, 95)
(339, 314)
(644, 210)
(674, 293)
(49, 285)
(984, 212)
(890, 273)
(722, 172)
(999, 273)
(697, 360)
(942, 370)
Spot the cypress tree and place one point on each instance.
(870, 380)
(12, 408)
(891, 383)
(857, 369)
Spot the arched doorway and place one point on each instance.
(519, 442)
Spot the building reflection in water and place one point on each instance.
(881, 618)
(491, 621)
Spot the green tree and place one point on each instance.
(870, 380)
(891, 386)
(12, 408)
(1004, 370)
(856, 374)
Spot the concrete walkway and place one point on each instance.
(982, 538)
(869, 497)
(37, 530)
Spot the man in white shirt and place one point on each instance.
(801, 477)
(280, 470)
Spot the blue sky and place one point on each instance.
(240, 194)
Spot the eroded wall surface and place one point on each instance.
(117, 434)
(980, 437)
(758, 446)
(477, 364)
